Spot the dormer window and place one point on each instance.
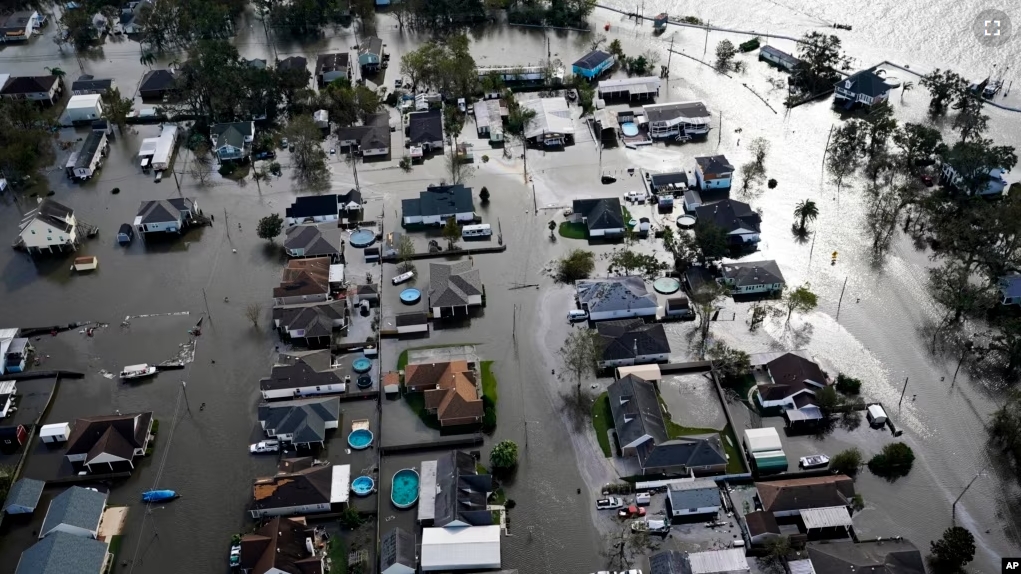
(847, 84)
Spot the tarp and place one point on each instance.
(644, 372)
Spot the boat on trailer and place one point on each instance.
(159, 495)
(137, 371)
(814, 461)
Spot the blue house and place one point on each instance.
(593, 64)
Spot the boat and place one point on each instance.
(814, 461)
(138, 371)
(235, 556)
(159, 495)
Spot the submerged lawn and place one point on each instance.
(602, 422)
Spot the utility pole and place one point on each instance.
(841, 300)
(719, 139)
(184, 390)
(904, 390)
(706, 47)
(208, 314)
(953, 509)
(810, 252)
(226, 223)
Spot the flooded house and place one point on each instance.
(301, 423)
(76, 511)
(166, 215)
(454, 288)
(302, 486)
(110, 443)
(303, 373)
(283, 545)
(51, 226)
(330, 67)
(62, 553)
(738, 221)
(627, 342)
(304, 281)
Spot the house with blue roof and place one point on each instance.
(77, 511)
(63, 553)
(593, 64)
(23, 496)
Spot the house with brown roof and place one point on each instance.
(43, 89)
(789, 497)
(111, 442)
(761, 527)
(304, 281)
(303, 486)
(279, 546)
(451, 391)
(791, 381)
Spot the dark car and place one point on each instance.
(606, 179)
(265, 155)
(927, 180)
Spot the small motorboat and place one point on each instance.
(814, 461)
(138, 371)
(159, 495)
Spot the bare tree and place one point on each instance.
(405, 250)
(705, 299)
(582, 349)
(201, 164)
(254, 311)
(624, 547)
(458, 170)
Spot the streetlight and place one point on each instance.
(953, 509)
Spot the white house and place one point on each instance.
(303, 374)
(995, 186)
(18, 26)
(698, 497)
(464, 548)
(789, 376)
(454, 288)
(54, 433)
(678, 119)
(165, 215)
(85, 162)
(302, 488)
(627, 342)
(49, 226)
(615, 298)
(437, 204)
(752, 277)
(866, 88)
(77, 511)
(713, 172)
(232, 141)
(80, 109)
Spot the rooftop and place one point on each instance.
(25, 493)
(302, 369)
(279, 544)
(826, 517)
(156, 80)
(312, 206)
(865, 82)
(802, 493)
(312, 241)
(601, 213)
(884, 557)
(631, 338)
(305, 420)
(634, 404)
(714, 164)
(453, 284)
(439, 200)
(308, 486)
(63, 553)
(791, 374)
(552, 116)
(76, 506)
(693, 111)
(753, 273)
(117, 435)
(460, 548)
(615, 294)
(593, 59)
(731, 216)
(303, 277)
(56, 215)
(699, 493)
(397, 547)
(461, 492)
(425, 127)
(164, 210)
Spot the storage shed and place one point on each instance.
(876, 415)
(762, 440)
(53, 433)
(12, 437)
(24, 496)
(82, 109)
(469, 548)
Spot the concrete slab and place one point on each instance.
(692, 401)
(112, 522)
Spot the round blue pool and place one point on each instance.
(410, 296)
(359, 439)
(629, 129)
(362, 238)
(666, 285)
(405, 488)
(361, 365)
(363, 485)
(364, 382)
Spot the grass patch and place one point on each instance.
(402, 359)
(496, 516)
(488, 381)
(115, 548)
(602, 421)
(573, 230)
(627, 214)
(417, 403)
(337, 555)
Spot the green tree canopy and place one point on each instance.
(504, 455)
(955, 549)
(847, 461)
(577, 264)
(894, 461)
(270, 226)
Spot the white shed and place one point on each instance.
(467, 548)
(57, 432)
(762, 440)
(87, 108)
(876, 415)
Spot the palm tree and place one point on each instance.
(906, 86)
(147, 59)
(57, 72)
(806, 211)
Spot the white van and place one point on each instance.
(738, 543)
(576, 315)
(481, 230)
(643, 499)
(403, 277)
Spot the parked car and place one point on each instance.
(235, 555)
(643, 499)
(577, 315)
(264, 446)
(265, 155)
(283, 143)
(609, 503)
(632, 511)
(461, 105)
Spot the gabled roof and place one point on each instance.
(634, 404)
(156, 80)
(780, 55)
(451, 284)
(89, 82)
(315, 318)
(615, 294)
(752, 273)
(307, 369)
(312, 241)
(165, 210)
(374, 134)
(63, 553)
(461, 491)
(353, 196)
(691, 451)
(440, 200)
(232, 134)
(29, 85)
(630, 338)
(790, 373)
(591, 60)
(699, 493)
(668, 562)
(761, 522)
(801, 493)
(552, 116)
(311, 485)
(118, 435)
(371, 45)
(331, 62)
(90, 147)
(888, 556)
(715, 164)
(730, 215)
(304, 277)
(304, 419)
(25, 492)
(602, 213)
(279, 544)
(425, 127)
(76, 506)
(293, 63)
(865, 82)
(312, 206)
(397, 547)
(452, 392)
(52, 214)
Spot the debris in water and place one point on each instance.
(106, 374)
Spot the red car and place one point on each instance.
(632, 511)
(927, 180)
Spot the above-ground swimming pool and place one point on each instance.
(629, 129)
(364, 382)
(410, 296)
(359, 439)
(405, 488)
(686, 221)
(666, 285)
(362, 238)
(363, 485)
(361, 365)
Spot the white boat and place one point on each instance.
(138, 371)
(814, 461)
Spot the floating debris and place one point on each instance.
(107, 374)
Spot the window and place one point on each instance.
(318, 389)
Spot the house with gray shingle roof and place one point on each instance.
(300, 422)
(313, 241)
(454, 288)
(62, 553)
(76, 511)
(24, 496)
(232, 141)
(628, 342)
(696, 498)
(750, 277)
(310, 323)
(615, 298)
(166, 215)
(602, 217)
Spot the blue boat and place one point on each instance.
(159, 495)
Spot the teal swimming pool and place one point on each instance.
(405, 488)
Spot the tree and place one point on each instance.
(308, 157)
(81, 33)
(955, 549)
(751, 174)
(710, 241)
(917, 144)
(201, 163)
(578, 264)
(1006, 345)
(451, 232)
(623, 547)
(847, 461)
(616, 49)
(828, 400)
(905, 87)
(799, 299)
(580, 352)
(270, 226)
(253, 311)
(848, 385)
(844, 155)
(805, 211)
(879, 125)
(951, 287)
(116, 108)
(760, 149)
(147, 59)
(704, 300)
(458, 171)
(484, 195)
(517, 127)
(26, 143)
(504, 455)
(775, 559)
(1005, 429)
(894, 461)
(56, 73)
(972, 161)
(945, 87)
(970, 120)
(453, 122)
(725, 52)
(405, 251)
(820, 55)
(628, 261)
(728, 362)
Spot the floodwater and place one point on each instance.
(877, 337)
